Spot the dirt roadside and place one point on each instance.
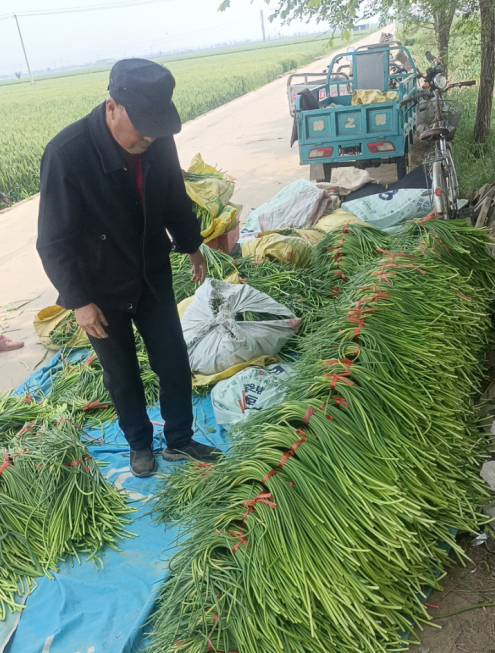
(472, 631)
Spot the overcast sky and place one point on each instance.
(76, 38)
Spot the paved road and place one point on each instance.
(248, 137)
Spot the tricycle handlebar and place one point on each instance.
(442, 91)
(457, 85)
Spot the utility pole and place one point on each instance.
(24, 50)
(262, 24)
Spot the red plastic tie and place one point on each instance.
(403, 265)
(377, 296)
(359, 312)
(340, 400)
(357, 350)
(440, 243)
(463, 296)
(66, 419)
(20, 453)
(89, 360)
(391, 254)
(308, 414)
(204, 466)
(25, 428)
(339, 377)
(242, 539)
(210, 645)
(343, 361)
(95, 404)
(271, 473)
(74, 463)
(6, 463)
(292, 450)
(431, 216)
(27, 399)
(382, 276)
(260, 498)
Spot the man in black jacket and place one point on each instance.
(111, 192)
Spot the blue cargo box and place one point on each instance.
(339, 133)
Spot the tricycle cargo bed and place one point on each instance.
(342, 123)
(337, 132)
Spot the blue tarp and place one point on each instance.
(85, 610)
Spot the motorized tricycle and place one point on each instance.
(358, 119)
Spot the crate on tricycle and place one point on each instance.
(352, 126)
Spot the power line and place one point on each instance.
(73, 10)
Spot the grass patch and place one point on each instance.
(475, 164)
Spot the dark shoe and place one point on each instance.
(192, 451)
(143, 462)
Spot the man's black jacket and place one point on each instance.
(97, 243)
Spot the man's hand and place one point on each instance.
(198, 263)
(91, 320)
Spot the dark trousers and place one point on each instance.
(160, 329)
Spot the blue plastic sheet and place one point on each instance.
(85, 610)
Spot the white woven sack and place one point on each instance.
(216, 340)
(253, 389)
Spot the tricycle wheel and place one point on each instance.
(403, 162)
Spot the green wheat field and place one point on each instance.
(32, 115)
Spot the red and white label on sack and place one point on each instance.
(322, 94)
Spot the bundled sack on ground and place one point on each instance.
(57, 327)
(336, 219)
(274, 245)
(389, 209)
(209, 189)
(229, 324)
(252, 389)
(300, 204)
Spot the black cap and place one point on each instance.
(144, 89)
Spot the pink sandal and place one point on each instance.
(6, 344)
